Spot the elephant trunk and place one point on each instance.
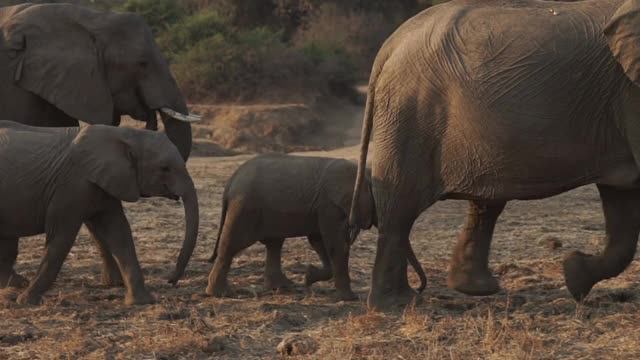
(192, 219)
(179, 132)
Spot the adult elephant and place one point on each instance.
(490, 101)
(60, 63)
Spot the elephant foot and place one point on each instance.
(278, 282)
(111, 278)
(393, 299)
(28, 298)
(470, 282)
(140, 298)
(347, 295)
(13, 280)
(314, 274)
(577, 276)
(219, 290)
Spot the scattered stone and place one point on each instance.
(297, 344)
(288, 320)
(503, 269)
(173, 315)
(269, 307)
(593, 227)
(517, 301)
(550, 242)
(214, 345)
(14, 339)
(599, 240)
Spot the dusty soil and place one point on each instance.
(533, 317)
(326, 123)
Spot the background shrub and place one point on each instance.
(271, 50)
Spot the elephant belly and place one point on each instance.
(287, 224)
(534, 174)
(14, 225)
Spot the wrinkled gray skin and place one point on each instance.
(273, 197)
(56, 179)
(491, 101)
(60, 63)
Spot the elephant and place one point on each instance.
(56, 179)
(61, 63)
(272, 197)
(540, 99)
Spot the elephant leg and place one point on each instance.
(60, 237)
(111, 228)
(389, 283)
(314, 274)
(398, 206)
(110, 272)
(335, 233)
(622, 218)
(469, 267)
(232, 240)
(8, 256)
(274, 278)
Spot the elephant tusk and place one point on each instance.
(178, 116)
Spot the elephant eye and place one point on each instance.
(143, 64)
(165, 169)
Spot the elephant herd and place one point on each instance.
(485, 101)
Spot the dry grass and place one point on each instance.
(533, 318)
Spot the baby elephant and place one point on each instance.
(53, 180)
(273, 197)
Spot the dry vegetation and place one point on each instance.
(533, 318)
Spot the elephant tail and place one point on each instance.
(223, 216)
(362, 163)
(418, 269)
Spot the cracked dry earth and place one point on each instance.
(533, 317)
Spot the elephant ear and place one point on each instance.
(57, 59)
(109, 160)
(623, 34)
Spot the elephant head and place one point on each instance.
(95, 66)
(129, 164)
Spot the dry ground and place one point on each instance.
(533, 317)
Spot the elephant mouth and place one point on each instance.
(162, 192)
(170, 194)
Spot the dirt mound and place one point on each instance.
(321, 125)
(259, 128)
(201, 146)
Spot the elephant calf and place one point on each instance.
(52, 180)
(272, 197)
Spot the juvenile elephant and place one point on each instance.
(490, 101)
(273, 197)
(55, 179)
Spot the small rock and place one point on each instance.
(551, 242)
(172, 315)
(214, 345)
(599, 240)
(593, 227)
(14, 339)
(297, 345)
